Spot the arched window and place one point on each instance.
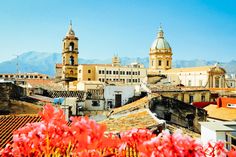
(64, 60)
(71, 47)
(71, 60)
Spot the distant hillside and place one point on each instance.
(45, 63)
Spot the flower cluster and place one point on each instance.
(53, 136)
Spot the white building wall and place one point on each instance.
(125, 91)
(88, 104)
(207, 135)
(70, 101)
(84, 86)
(194, 77)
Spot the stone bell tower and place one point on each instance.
(69, 57)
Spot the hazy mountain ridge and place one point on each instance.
(45, 63)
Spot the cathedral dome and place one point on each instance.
(160, 42)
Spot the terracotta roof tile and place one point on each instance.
(139, 104)
(58, 65)
(10, 123)
(221, 113)
(45, 84)
(142, 118)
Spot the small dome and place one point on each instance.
(160, 42)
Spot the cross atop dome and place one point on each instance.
(160, 33)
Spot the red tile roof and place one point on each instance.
(45, 84)
(58, 65)
(10, 123)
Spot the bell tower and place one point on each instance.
(69, 56)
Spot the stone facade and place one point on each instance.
(9, 91)
(69, 57)
(207, 76)
(178, 112)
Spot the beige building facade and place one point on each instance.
(188, 96)
(206, 76)
(112, 73)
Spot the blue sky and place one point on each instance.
(195, 29)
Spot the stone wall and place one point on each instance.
(9, 91)
(177, 112)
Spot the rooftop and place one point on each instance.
(218, 126)
(139, 104)
(10, 123)
(45, 84)
(142, 118)
(221, 113)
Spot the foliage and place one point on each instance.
(85, 138)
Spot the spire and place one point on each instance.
(70, 31)
(160, 33)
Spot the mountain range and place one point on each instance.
(42, 62)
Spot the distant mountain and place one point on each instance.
(45, 63)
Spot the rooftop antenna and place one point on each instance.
(17, 64)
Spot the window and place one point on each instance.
(167, 63)
(64, 60)
(99, 71)
(103, 72)
(89, 79)
(35, 76)
(152, 62)
(0, 75)
(159, 62)
(100, 79)
(89, 71)
(95, 103)
(189, 82)
(190, 99)
(71, 60)
(203, 98)
(175, 96)
(79, 71)
(71, 47)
